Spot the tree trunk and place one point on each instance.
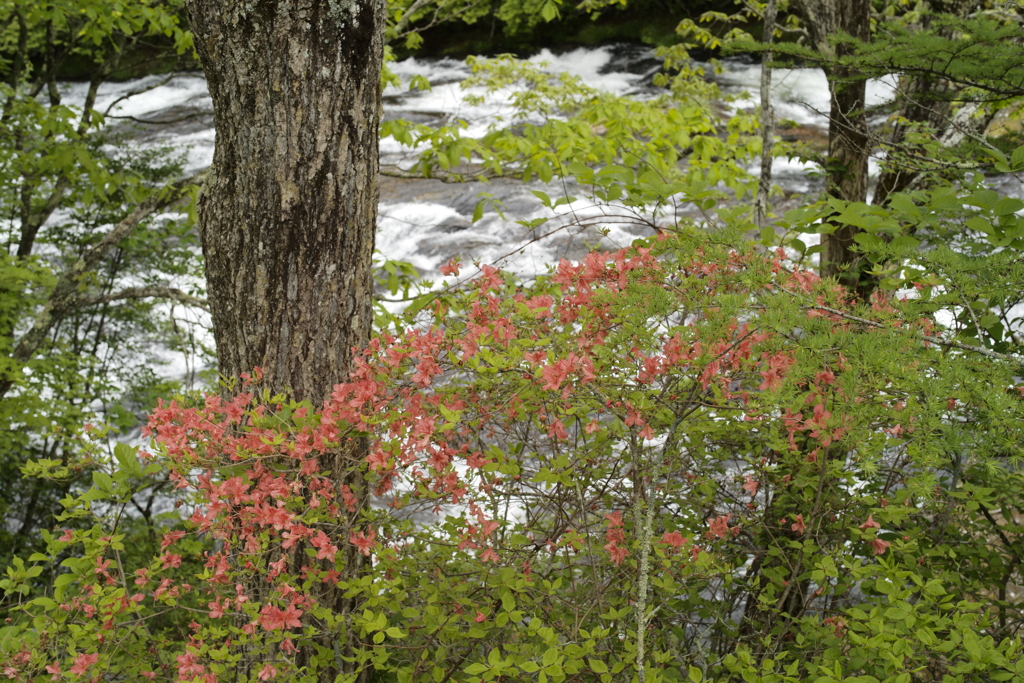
(764, 184)
(289, 210)
(288, 215)
(848, 145)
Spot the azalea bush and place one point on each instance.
(685, 459)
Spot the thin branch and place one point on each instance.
(171, 293)
(153, 122)
(133, 93)
(402, 23)
(63, 298)
(436, 174)
(932, 339)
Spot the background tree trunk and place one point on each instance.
(289, 210)
(288, 215)
(848, 144)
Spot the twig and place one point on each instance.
(64, 297)
(145, 293)
(932, 339)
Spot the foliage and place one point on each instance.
(632, 152)
(681, 460)
(78, 322)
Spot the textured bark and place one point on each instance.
(848, 144)
(289, 210)
(288, 215)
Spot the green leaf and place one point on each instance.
(1016, 159)
(549, 11)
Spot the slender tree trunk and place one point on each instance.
(846, 173)
(764, 184)
(918, 105)
(289, 212)
(848, 145)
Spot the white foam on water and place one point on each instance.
(187, 89)
(444, 70)
(591, 66)
(198, 149)
(799, 95)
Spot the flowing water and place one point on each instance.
(426, 222)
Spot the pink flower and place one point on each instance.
(616, 552)
(53, 669)
(825, 377)
(170, 560)
(170, 538)
(273, 618)
(489, 555)
(878, 546)
(536, 357)
(556, 430)
(267, 672)
(870, 524)
(799, 525)
(83, 662)
(674, 539)
(480, 616)
(719, 526)
(450, 268)
(750, 486)
(188, 666)
(363, 541)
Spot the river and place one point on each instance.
(426, 222)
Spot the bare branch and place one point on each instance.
(436, 174)
(63, 299)
(161, 122)
(171, 293)
(930, 338)
(402, 23)
(133, 93)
